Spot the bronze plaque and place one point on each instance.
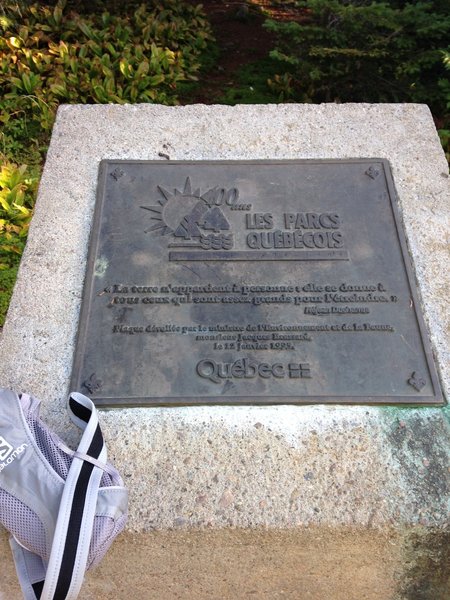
(250, 282)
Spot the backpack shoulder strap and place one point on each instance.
(30, 569)
(70, 548)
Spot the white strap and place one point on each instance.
(30, 570)
(116, 478)
(70, 547)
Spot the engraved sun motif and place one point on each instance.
(187, 214)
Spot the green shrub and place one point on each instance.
(7, 281)
(17, 193)
(18, 186)
(54, 56)
(365, 51)
(250, 85)
(444, 131)
(50, 55)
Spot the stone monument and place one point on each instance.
(257, 462)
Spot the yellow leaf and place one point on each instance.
(14, 41)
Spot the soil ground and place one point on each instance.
(241, 40)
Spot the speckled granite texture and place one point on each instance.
(237, 502)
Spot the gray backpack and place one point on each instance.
(62, 508)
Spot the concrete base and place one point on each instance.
(238, 502)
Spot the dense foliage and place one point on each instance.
(444, 132)
(50, 53)
(361, 51)
(17, 194)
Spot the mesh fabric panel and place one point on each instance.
(104, 531)
(23, 523)
(58, 460)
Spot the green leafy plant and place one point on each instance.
(17, 196)
(18, 186)
(7, 281)
(50, 55)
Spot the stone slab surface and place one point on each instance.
(233, 470)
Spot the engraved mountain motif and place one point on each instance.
(215, 220)
(197, 210)
(188, 228)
